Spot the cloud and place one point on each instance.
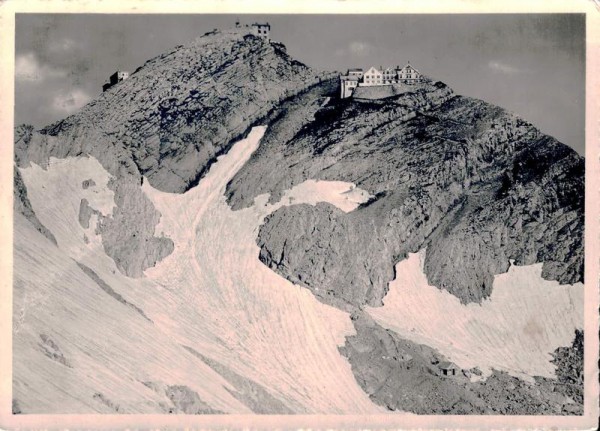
(28, 68)
(359, 48)
(69, 102)
(64, 44)
(500, 67)
(355, 48)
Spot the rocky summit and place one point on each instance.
(168, 123)
(135, 244)
(474, 185)
(179, 111)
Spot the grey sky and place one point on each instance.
(532, 64)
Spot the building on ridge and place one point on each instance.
(448, 368)
(409, 75)
(115, 78)
(261, 30)
(377, 77)
(373, 76)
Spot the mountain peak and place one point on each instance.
(176, 113)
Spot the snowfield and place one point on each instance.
(525, 319)
(213, 296)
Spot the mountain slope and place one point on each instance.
(163, 266)
(473, 183)
(168, 122)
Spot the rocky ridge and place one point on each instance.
(22, 205)
(168, 122)
(474, 184)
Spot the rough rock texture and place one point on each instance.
(85, 213)
(569, 368)
(87, 184)
(22, 205)
(471, 182)
(402, 375)
(52, 351)
(187, 401)
(112, 407)
(252, 394)
(168, 122)
(128, 233)
(171, 118)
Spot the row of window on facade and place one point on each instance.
(258, 29)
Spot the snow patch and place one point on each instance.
(55, 194)
(226, 304)
(515, 330)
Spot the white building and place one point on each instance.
(115, 78)
(373, 76)
(409, 75)
(389, 75)
(261, 30)
(347, 85)
(356, 73)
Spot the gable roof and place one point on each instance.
(373, 69)
(447, 365)
(409, 67)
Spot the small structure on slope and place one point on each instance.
(261, 30)
(115, 78)
(447, 368)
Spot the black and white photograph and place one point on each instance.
(249, 218)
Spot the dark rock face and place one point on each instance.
(472, 183)
(128, 233)
(569, 368)
(402, 375)
(86, 184)
(177, 112)
(168, 122)
(22, 205)
(101, 398)
(52, 351)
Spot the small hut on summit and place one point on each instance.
(447, 368)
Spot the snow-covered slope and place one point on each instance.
(87, 338)
(515, 330)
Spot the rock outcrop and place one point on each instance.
(473, 183)
(247, 391)
(402, 375)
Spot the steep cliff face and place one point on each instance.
(168, 122)
(471, 182)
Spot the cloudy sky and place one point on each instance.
(533, 65)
